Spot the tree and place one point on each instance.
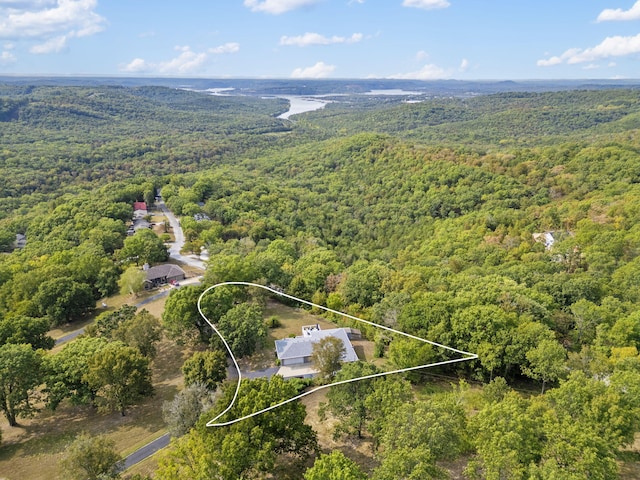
(348, 402)
(182, 413)
(243, 328)
(143, 247)
(207, 368)
(132, 281)
(107, 322)
(363, 283)
(438, 424)
(66, 370)
(181, 319)
(91, 458)
(409, 464)
(120, 375)
(547, 362)
(20, 373)
(507, 436)
(63, 300)
(21, 329)
(334, 466)
(143, 331)
(326, 357)
(248, 448)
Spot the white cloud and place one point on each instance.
(53, 45)
(187, 61)
(50, 23)
(50, 19)
(231, 47)
(276, 7)
(421, 56)
(318, 39)
(617, 46)
(7, 57)
(618, 14)
(319, 70)
(137, 65)
(464, 64)
(591, 66)
(428, 72)
(426, 4)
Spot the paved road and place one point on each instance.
(191, 281)
(176, 246)
(146, 451)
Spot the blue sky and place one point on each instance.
(417, 39)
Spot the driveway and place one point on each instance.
(176, 246)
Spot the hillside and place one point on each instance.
(430, 217)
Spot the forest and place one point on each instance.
(503, 224)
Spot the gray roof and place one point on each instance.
(166, 270)
(301, 347)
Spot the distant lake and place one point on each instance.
(298, 104)
(392, 91)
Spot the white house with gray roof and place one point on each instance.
(294, 354)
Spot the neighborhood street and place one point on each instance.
(146, 451)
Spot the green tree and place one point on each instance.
(181, 319)
(334, 466)
(388, 394)
(348, 402)
(107, 322)
(507, 436)
(326, 357)
(20, 374)
(243, 328)
(547, 362)
(143, 331)
(120, 375)
(208, 368)
(363, 283)
(249, 448)
(573, 452)
(66, 370)
(22, 329)
(182, 413)
(131, 281)
(143, 247)
(409, 464)
(63, 300)
(439, 424)
(91, 457)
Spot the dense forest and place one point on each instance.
(504, 225)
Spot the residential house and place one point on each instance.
(140, 210)
(163, 275)
(294, 354)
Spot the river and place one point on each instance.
(300, 104)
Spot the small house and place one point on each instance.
(140, 210)
(163, 275)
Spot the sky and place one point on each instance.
(412, 39)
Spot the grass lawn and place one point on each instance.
(33, 450)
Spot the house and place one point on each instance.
(294, 354)
(139, 210)
(21, 240)
(162, 275)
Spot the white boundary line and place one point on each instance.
(212, 422)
